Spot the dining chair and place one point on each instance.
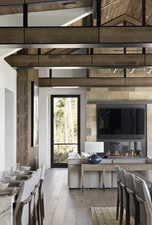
(41, 195)
(144, 202)
(25, 212)
(124, 199)
(130, 198)
(119, 175)
(38, 213)
(121, 196)
(36, 198)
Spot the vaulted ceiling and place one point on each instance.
(113, 13)
(112, 9)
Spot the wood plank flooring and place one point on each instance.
(65, 207)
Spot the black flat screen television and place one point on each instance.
(125, 122)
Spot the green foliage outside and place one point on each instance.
(65, 128)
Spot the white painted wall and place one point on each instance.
(45, 120)
(7, 81)
(47, 18)
(10, 140)
(2, 128)
(4, 52)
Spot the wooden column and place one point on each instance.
(26, 153)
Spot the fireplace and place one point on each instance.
(125, 148)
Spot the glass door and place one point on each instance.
(65, 128)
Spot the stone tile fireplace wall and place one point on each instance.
(114, 95)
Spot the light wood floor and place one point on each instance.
(64, 207)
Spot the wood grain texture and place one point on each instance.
(26, 154)
(69, 35)
(63, 60)
(125, 34)
(97, 82)
(29, 60)
(112, 167)
(76, 35)
(111, 9)
(104, 60)
(120, 20)
(11, 35)
(55, 5)
(65, 207)
(12, 2)
(105, 216)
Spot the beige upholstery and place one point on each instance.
(135, 198)
(144, 199)
(27, 199)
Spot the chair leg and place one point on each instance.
(42, 206)
(35, 217)
(121, 215)
(117, 210)
(121, 206)
(127, 210)
(41, 209)
(137, 212)
(38, 214)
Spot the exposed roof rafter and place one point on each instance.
(81, 61)
(77, 37)
(96, 82)
(120, 19)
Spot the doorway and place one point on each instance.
(65, 128)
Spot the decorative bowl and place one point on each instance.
(94, 159)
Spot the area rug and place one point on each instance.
(104, 216)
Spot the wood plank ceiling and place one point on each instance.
(112, 9)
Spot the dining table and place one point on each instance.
(10, 187)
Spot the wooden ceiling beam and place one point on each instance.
(49, 1)
(11, 2)
(44, 7)
(48, 35)
(57, 51)
(84, 61)
(96, 82)
(77, 37)
(20, 2)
